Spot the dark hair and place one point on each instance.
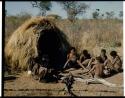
(36, 59)
(103, 50)
(113, 53)
(85, 52)
(71, 48)
(45, 57)
(45, 60)
(99, 59)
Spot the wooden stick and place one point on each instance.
(97, 80)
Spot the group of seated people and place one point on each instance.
(98, 67)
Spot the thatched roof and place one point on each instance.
(30, 39)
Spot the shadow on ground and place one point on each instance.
(10, 77)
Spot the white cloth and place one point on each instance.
(29, 72)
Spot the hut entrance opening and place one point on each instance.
(49, 44)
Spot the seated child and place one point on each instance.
(39, 70)
(46, 72)
(85, 58)
(116, 61)
(72, 60)
(43, 68)
(32, 62)
(34, 67)
(103, 55)
(103, 59)
(97, 69)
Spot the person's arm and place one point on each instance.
(80, 64)
(80, 59)
(114, 61)
(93, 68)
(66, 61)
(67, 56)
(106, 62)
(66, 64)
(90, 62)
(106, 57)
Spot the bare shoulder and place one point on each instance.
(118, 58)
(81, 55)
(95, 65)
(99, 64)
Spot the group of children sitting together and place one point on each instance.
(97, 67)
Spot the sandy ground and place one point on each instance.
(24, 85)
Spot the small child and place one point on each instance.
(72, 59)
(43, 68)
(97, 69)
(34, 67)
(85, 58)
(46, 72)
(103, 55)
(116, 61)
(31, 64)
(103, 59)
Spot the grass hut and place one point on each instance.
(36, 37)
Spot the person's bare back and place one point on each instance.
(97, 69)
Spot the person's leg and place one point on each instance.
(68, 64)
(117, 68)
(80, 64)
(92, 74)
(42, 73)
(35, 69)
(85, 62)
(90, 64)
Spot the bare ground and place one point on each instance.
(24, 85)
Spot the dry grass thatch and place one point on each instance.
(36, 36)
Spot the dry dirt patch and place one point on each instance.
(26, 86)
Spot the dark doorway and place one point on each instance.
(50, 44)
